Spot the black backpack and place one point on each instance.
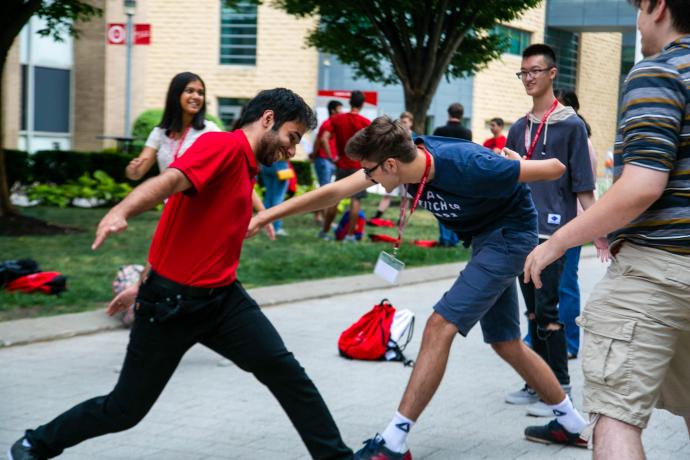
(10, 270)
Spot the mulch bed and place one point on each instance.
(18, 225)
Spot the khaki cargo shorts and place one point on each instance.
(636, 351)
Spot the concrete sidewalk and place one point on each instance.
(29, 330)
(213, 410)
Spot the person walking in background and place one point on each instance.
(549, 130)
(191, 294)
(636, 323)
(407, 121)
(454, 127)
(275, 178)
(343, 126)
(182, 123)
(497, 140)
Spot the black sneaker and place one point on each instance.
(374, 449)
(19, 451)
(554, 433)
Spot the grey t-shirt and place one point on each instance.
(566, 140)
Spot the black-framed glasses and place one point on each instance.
(533, 73)
(368, 171)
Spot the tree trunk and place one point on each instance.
(6, 207)
(418, 102)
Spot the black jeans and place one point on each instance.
(226, 321)
(543, 304)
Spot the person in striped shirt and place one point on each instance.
(636, 324)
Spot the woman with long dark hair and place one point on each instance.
(182, 123)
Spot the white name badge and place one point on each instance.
(388, 267)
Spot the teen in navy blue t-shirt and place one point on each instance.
(482, 197)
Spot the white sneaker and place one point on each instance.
(349, 239)
(539, 409)
(522, 397)
(281, 232)
(324, 236)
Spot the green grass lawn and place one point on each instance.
(297, 257)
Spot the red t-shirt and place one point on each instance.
(495, 142)
(321, 152)
(343, 127)
(199, 237)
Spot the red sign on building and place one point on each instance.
(117, 34)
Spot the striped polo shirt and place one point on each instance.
(654, 132)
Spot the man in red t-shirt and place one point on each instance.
(190, 293)
(498, 141)
(324, 164)
(343, 127)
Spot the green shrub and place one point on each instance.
(62, 166)
(18, 167)
(100, 187)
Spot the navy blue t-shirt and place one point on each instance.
(474, 190)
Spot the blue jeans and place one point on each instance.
(446, 237)
(275, 188)
(325, 169)
(569, 294)
(569, 301)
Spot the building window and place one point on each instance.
(238, 34)
(517, 40)
(51, 96)
(229, 110)
(566, 45)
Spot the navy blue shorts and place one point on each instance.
(485, 291)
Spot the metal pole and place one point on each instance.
(30, 85)
(128, 77)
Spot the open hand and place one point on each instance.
(123, 300)
(270, 231)
(541, 257)
(602, 245)
(113, 222)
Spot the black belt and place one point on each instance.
(190, 291)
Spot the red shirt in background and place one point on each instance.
(321, 152)
(343, 127)
(495, 142)
(199, 238)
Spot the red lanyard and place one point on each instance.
(530, 147)
(402, 222)
(180, 142)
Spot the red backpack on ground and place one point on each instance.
(368, 338)
(45, 282)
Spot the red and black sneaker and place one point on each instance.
(554, 433)
(375, 449)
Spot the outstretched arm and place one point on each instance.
(636, 190)
(142, 198)
(532, 171)
(320, 198)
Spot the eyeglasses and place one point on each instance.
(369, 171)
(533, 73)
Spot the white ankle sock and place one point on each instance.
(568, 416)
(396, 433)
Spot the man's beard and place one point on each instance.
(268, 150)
